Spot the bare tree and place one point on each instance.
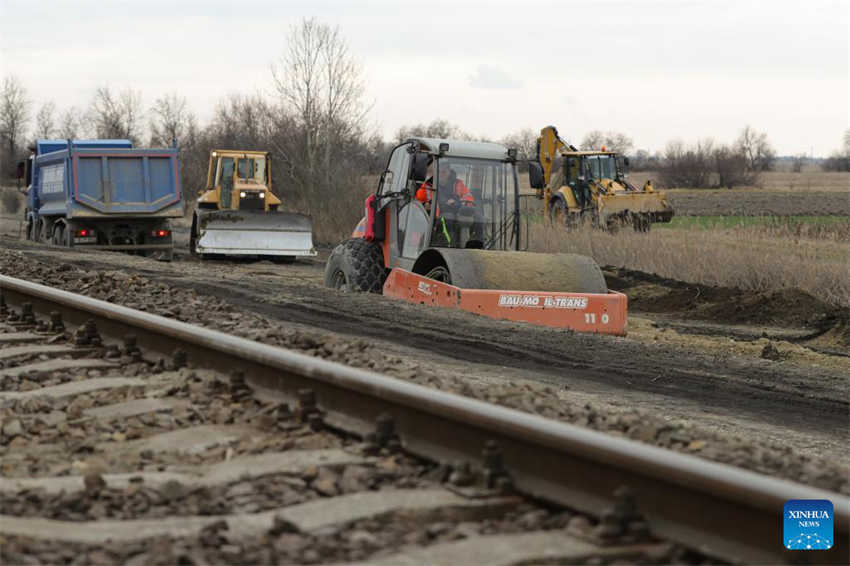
(170, 119)
(754, 146)
(117, 116)
(321, 115)
(642, 160)
(525, 141)
(438, 128)
(14, 116)
(45, 121)
(612, 141)
(732, 168)
(593, 140)
(70, 127)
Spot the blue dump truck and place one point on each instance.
(103, 194)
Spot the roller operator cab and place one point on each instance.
(237, 214)
(103, 194)
(445, 229)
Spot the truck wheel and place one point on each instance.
(356, 265)
(193, 238)
(58, 235)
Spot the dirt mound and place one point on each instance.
(724, 305)
(836, 337)
(786, 307)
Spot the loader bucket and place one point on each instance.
(558, 290)
(254, 232)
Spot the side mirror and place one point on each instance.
(420, 166)
(21, 171)
(535, 175)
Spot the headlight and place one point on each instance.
(262, 195)
(242, 194)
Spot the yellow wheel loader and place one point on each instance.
(237, 214)
(591, 185)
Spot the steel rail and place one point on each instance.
(723, 511)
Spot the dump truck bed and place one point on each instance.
(86, 182)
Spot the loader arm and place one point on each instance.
(549, 145)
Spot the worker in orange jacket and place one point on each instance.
(459, 194)
(453, 192)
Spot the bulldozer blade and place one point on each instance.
(603, 313)
(250, 232)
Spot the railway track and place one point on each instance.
(112, 440)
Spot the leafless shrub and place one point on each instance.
(10, 199)
(689, 166)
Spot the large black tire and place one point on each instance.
(356, 265)
(558, 212)
(58, 234)
(193, 237)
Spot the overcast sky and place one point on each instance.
(654, 70)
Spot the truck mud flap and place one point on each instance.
(583, 312)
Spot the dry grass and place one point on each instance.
(752, 258)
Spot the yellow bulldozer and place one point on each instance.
(591, 185)
(238, 215)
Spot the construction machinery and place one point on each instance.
(421, 243)
(591, 185)
(238, 215)
(102, 195)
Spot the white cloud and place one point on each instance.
(489, 77)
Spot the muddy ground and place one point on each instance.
(760, 381)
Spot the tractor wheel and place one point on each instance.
(356, 265)
(558, 213)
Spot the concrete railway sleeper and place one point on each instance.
(122, 423)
